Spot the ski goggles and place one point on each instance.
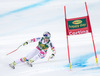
(46, 36)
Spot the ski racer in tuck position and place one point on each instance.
(39, 52)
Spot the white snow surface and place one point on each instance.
(22, 20)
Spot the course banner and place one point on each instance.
(77, 26)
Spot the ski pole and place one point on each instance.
(14, 50)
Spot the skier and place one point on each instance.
(39, 52)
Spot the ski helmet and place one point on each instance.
(46, 35)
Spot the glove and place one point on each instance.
(26, 43)
(52, 55)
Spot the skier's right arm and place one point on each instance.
(32, 40)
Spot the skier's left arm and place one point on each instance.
(53, 51)
(31, 40)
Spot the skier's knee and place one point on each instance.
(23, 59)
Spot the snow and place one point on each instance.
(21, 20)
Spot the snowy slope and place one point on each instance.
(26, 19)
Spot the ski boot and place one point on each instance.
(12, 65)
(30, 62)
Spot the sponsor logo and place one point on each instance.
(38, 38)
(77, 22)
(78, 32)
